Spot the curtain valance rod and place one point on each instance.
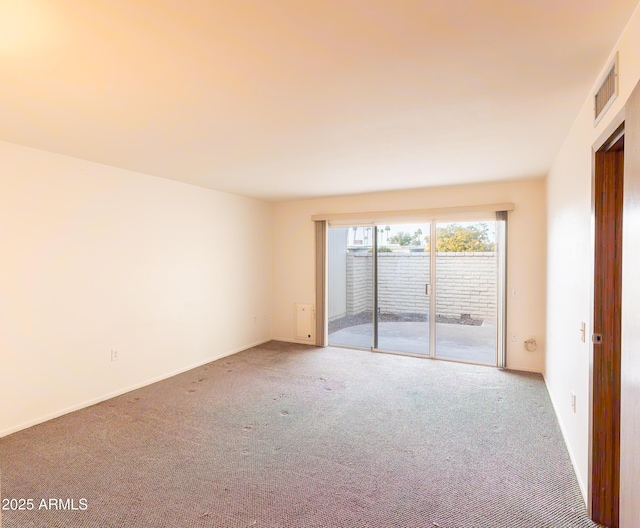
(377, 216)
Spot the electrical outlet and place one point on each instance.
(573, 401)
(583, 332)
(114, 355)
(514, 337)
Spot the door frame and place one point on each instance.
(323, 222)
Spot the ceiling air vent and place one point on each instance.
(607, 91)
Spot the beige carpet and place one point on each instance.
(291, 436)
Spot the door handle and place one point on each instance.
(427, 289)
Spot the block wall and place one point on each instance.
(466, 283)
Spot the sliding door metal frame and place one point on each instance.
(501, 293)
(374, 293)
(432, 289)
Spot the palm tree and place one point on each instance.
(416, 237)
(387, 229)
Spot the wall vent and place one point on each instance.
(607, 91)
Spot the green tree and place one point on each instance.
(402, 238)
(416, 238)
(457, 238)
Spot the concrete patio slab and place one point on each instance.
(453, 341)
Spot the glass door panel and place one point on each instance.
(403, 288)
(466, 291)
(350, 286)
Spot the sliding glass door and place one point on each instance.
(403, 272)
(466, 291)
(428, 289)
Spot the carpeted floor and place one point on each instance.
(285, 435)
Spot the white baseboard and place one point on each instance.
(119, 392)
(583, 485)
(523, 369)
(290, 340)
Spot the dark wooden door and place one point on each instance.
(605, 480)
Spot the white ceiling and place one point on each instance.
(281, 99)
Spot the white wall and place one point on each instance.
(570, 256)
(294, 271)
(95, 258)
